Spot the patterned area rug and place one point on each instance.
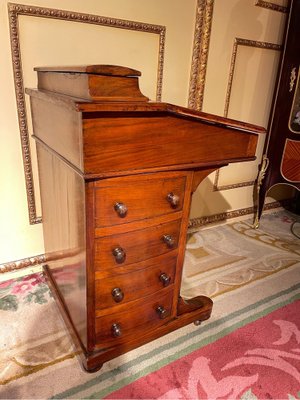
(251, 340)
(259, 361)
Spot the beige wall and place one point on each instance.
(45, 41)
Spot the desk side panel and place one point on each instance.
(63, 209)
(59, 127)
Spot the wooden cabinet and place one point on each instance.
(281, 159)
(117, 173)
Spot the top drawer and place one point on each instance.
(128, 199)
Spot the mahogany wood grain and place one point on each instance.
(137, 225)
(155, 141)
(190, 305)
(133, 285)
(92, 87)
(162, 259)
(93, 154)
(173, 126)
(93, 361)
(93, 82)
(201, 314)
(134, 320)
(145, 196)
(63, 208)
(138, 246)
(182, 240)
(90, 295)
(59, 128)
(199, 175)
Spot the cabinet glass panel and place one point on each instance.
(295, 111)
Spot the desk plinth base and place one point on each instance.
(197, 309)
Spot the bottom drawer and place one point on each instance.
(134, 319)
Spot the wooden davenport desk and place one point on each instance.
(116, 174)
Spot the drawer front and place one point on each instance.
(133, 247)
(130, 199)
(133, 321)
(123, 288)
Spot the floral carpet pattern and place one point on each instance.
(24, 290)
(249, 273)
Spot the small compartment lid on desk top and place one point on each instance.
(92, 82)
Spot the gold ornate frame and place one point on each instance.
(271, 6)
(202, 32)
(23, 263)
(14, 10)
(239, 42)
(243, 42)
(217, 188)
(204, 13)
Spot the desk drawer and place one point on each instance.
(123, 200)
(122, 288)
(134, 319)
(133, 247)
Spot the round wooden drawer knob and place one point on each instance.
(169, 240)
(173, 199)
(162, 312)
(116, 330)
(121, 209)
(117, 295)
(119, 254)
(165, 279)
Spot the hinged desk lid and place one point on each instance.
(92, 82)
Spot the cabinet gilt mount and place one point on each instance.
(117, 173)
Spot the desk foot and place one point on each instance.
(196, 310)
(197, 323)
(91, 369)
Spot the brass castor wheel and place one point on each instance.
(197, 323)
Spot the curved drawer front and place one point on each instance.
(133, 321)
(133, 247)
(120, 289)
(123, 200)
